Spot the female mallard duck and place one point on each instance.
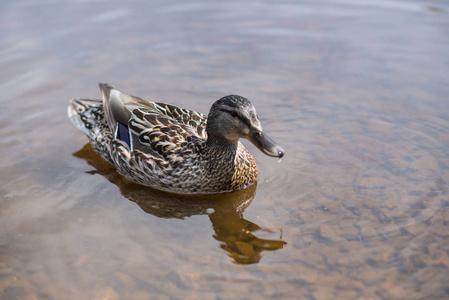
(174, 149)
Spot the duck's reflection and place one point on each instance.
(225, 210)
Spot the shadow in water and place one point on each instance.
(225, 211)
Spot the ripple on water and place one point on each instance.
(373, 188)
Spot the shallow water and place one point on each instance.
(357, 95)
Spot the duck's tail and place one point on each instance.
(84, 113)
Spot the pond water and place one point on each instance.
(356, 93)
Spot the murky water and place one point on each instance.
(357, 95)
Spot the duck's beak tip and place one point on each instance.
(281, 152)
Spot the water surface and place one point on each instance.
(357, 95)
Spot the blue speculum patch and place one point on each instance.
(123, 133)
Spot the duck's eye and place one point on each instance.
(234, 114)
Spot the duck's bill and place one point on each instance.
(265, 144)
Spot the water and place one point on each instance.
(355, 93)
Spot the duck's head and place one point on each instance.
(234, 117)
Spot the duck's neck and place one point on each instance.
(231, 164)
(223, 146)
(219, 158)
(221, 154)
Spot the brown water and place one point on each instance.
(357, 95)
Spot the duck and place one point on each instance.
(174, 149)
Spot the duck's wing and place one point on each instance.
(155, 128)
(118, 106)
